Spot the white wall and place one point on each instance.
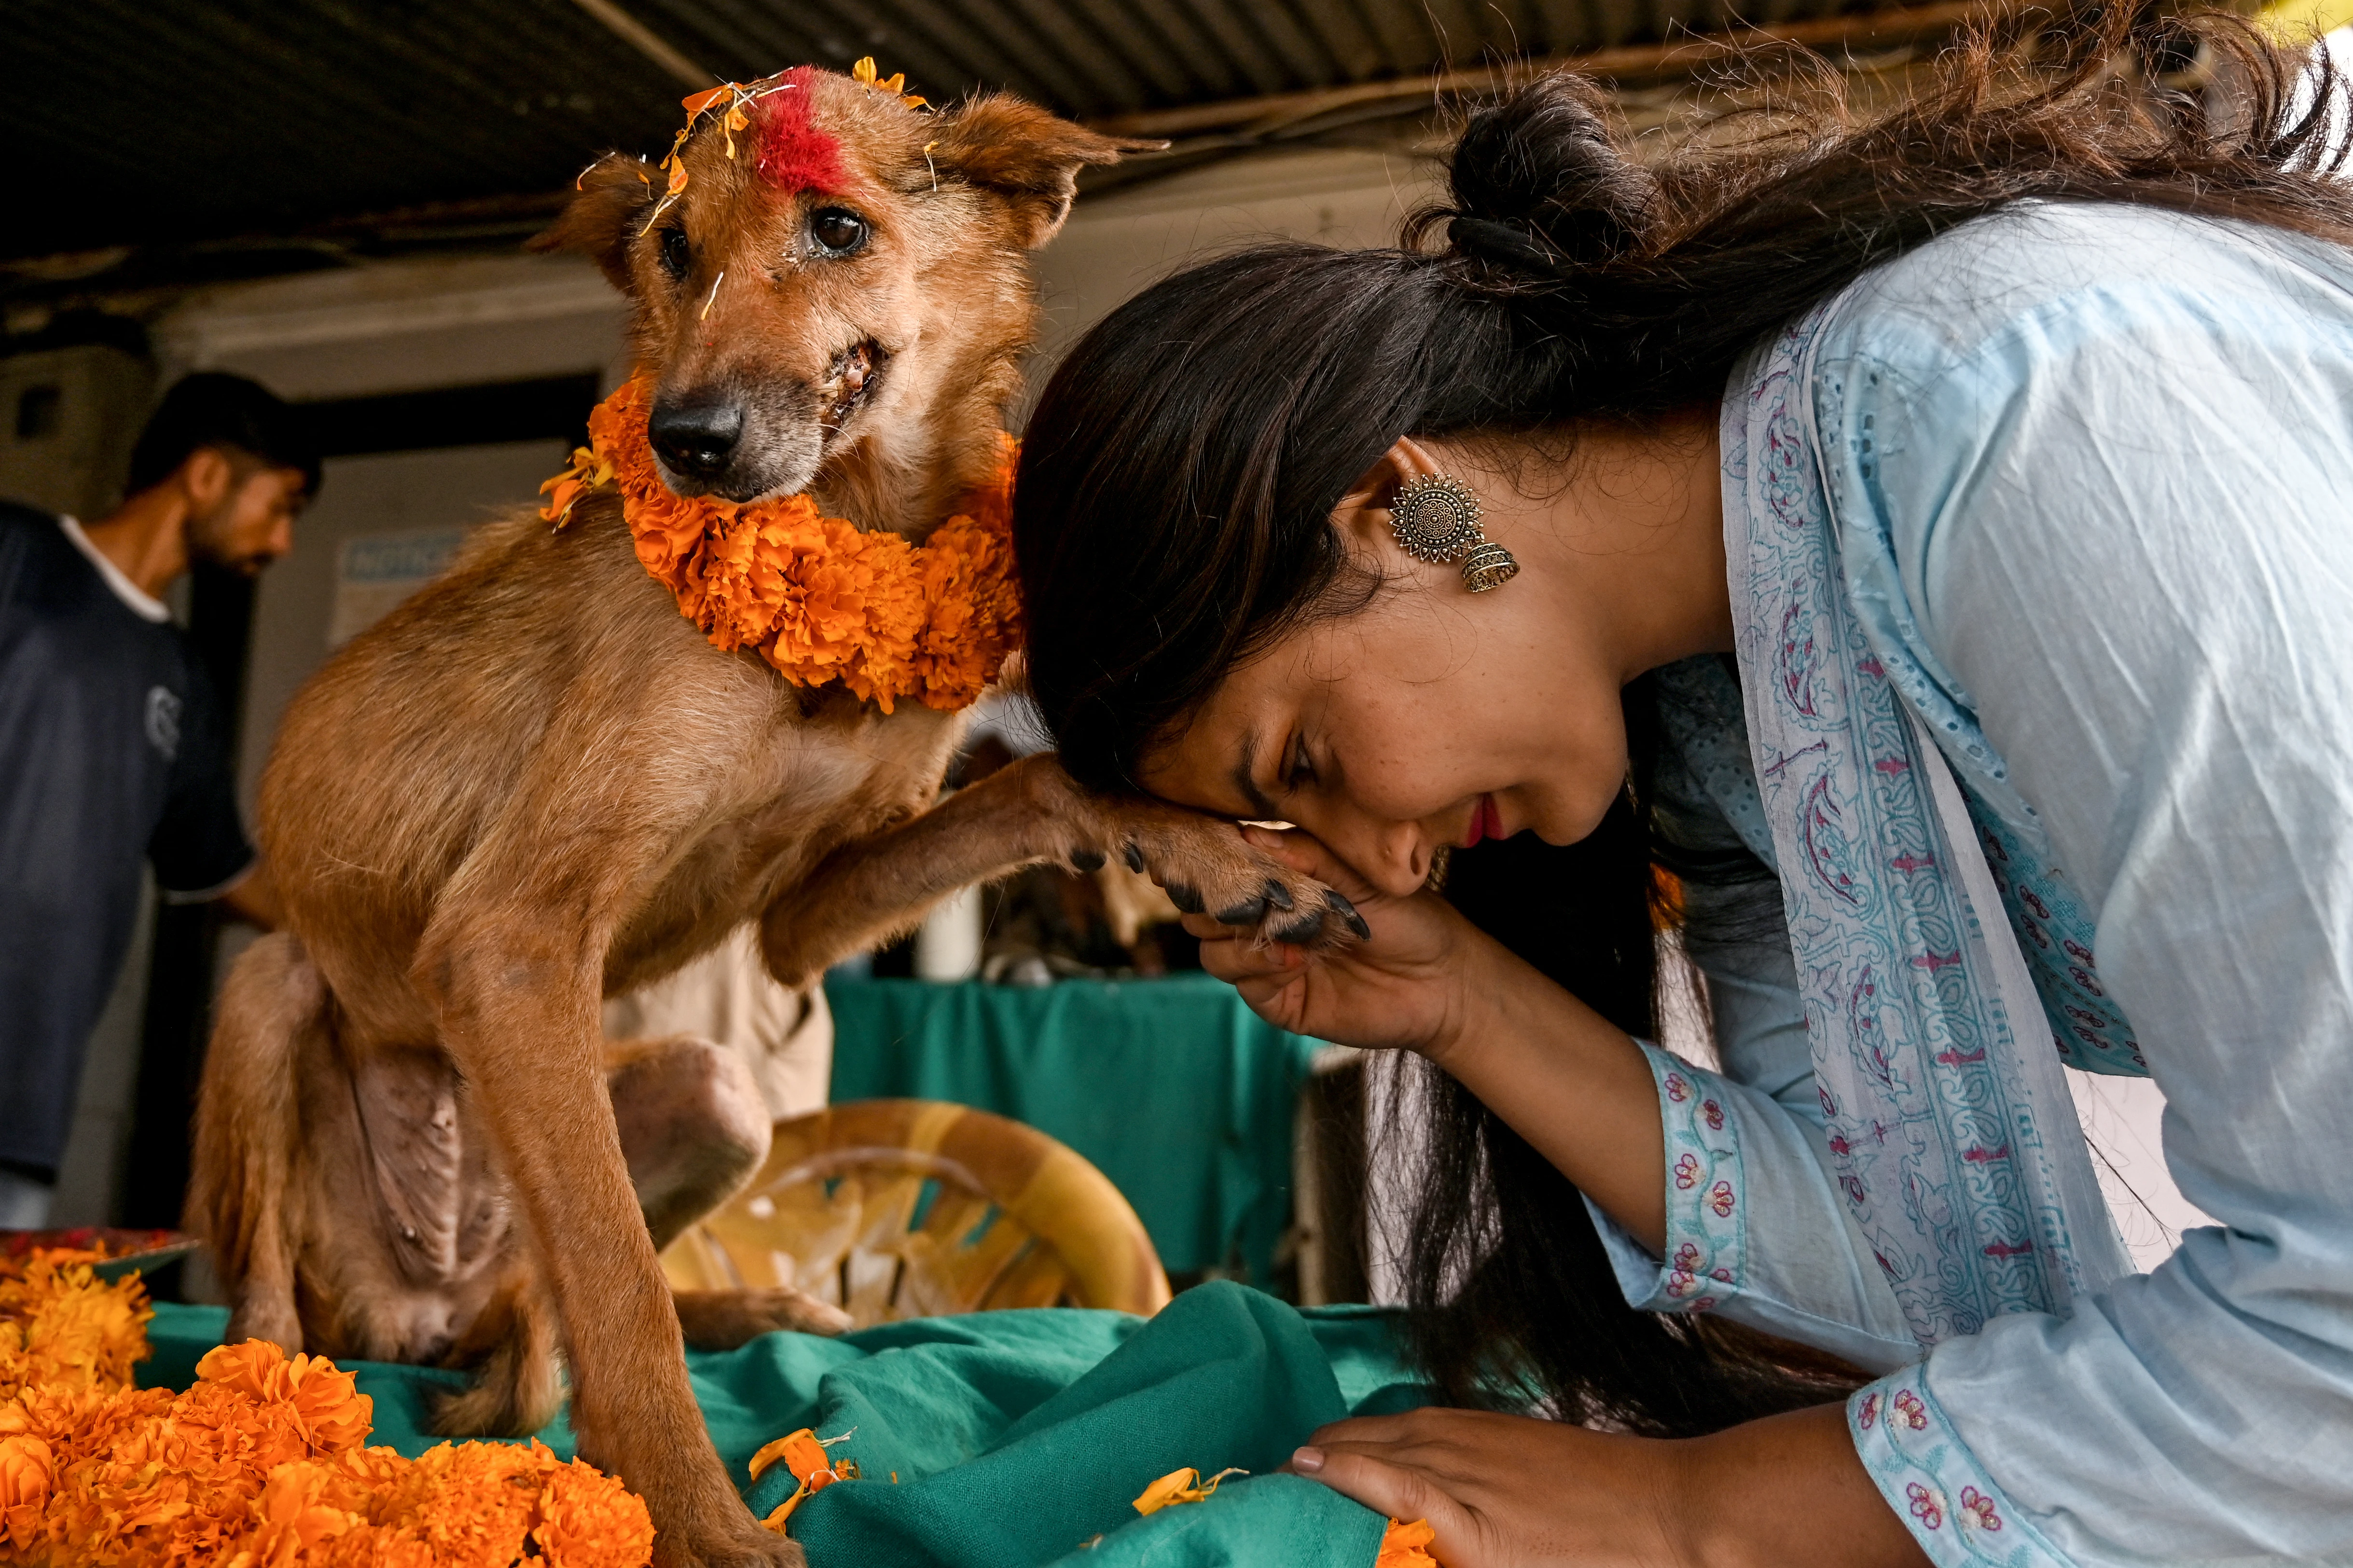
(1128, 239)
(401, 326)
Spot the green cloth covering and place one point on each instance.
(1017, 1435)
(1174, 1089)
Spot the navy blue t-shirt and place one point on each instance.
(112, 747)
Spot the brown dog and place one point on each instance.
(535, 785)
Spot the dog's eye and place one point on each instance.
(837, 230)
(677, 255)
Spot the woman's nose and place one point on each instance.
(1392, 858)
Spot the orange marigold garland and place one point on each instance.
(820, 599)
(263, 1463)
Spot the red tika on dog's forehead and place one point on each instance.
(793, 155)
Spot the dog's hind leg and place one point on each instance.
(242, 1196)
(693, 1129)
(693, 1126)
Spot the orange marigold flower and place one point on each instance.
(588, 1520)
(321, 1403)
(292, 1517)
(27, 1472)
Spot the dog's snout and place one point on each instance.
(696, 439)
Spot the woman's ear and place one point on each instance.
(1363, 513)
(617, 193)
(1027, 156)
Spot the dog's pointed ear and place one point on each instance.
(1025, 155)
(617, 193)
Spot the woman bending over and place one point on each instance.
(1929, 539)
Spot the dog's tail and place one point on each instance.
(242, 1192)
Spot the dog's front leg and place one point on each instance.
(865, 894)
(515, 975)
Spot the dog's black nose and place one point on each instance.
(696, 439)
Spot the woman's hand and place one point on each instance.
(1508, 1491)
(1565, 1079)
(1404, 986)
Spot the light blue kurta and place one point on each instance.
(2112, 478)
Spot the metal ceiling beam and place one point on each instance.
(648, 42)
(1877, 29)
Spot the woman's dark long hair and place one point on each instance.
(1177, 477)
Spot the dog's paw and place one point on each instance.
(1207, 867)
(722, 1320)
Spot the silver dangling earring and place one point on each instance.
(1436, 518)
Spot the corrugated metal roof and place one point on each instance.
(177, 126)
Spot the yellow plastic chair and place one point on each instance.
(915, 1209)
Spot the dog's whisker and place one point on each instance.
(713, 300)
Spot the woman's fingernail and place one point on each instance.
(1307, 1461)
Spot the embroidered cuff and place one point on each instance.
(1953, 1508)
(1707, 1231)
(1637, 1273)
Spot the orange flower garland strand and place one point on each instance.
(817, 599)
(261, 1464)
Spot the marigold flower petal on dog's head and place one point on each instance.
(870, 75)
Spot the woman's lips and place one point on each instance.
(1486, 822)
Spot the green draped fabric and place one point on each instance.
(1176, 1091)
(1019, 1436)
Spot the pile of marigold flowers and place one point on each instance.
(263, 1463)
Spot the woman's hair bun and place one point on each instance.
(1539, 182)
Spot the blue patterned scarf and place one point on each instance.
(1938, 950)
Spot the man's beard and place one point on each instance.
(207, 542)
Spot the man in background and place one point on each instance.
(112, 743)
